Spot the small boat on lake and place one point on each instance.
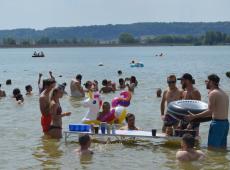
(39, 54)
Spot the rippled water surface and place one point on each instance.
(22, 145)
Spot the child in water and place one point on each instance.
(103, 116)
(85, 142)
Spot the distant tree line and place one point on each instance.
(209, 38)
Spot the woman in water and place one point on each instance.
(55, 130)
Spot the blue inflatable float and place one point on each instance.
(137, 65)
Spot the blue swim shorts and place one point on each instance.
(218, 133)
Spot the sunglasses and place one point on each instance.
(171, 82)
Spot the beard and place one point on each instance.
(184, 86)
(207, 86)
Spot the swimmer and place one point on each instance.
(16, 92)
(106, 88)
(19, 98)
(187, 152)
(2, 92)
(159, 92)
(76, 89)
(121, 84)
(119, 72)
(85, 142)
(133, 83)
(89, 87)
(130, 120)
(8, 82)
(28, 89)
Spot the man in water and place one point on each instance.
(48, 85)
(130, 120)
(187, 152)
(76, 89)
(85, 142)
(189, 93)
(217, 107)
(169, 95)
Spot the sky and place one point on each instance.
(40, 14)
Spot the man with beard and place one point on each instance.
(217, 107)
(169, 95)
(189, 93)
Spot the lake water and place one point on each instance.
(22, 145)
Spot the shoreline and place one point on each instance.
(104, 45)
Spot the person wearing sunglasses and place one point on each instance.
(218, 104)
(172, 93)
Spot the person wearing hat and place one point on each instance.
(218, 105)
(189, 93)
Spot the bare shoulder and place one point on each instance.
(181, 155)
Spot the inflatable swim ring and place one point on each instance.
(123, 100)
(137, 65)
(180, 108)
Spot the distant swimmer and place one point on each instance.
(107, 88)
(100, 64)
(2, 92)
(76, 89)
(28, 89)
(187, 152)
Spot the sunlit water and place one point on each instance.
(22, 145)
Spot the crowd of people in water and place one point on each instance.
(218, 103)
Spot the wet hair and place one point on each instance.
(214, 78)
(16, 91)
(87, 84)
(83, 139)
(8, 82)
(79, 77)
(28, 87)
(119, 72)
(104, 82)
(189, 140)
(0, 85)
(133, 79)
(129, 115)
(19, 97)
